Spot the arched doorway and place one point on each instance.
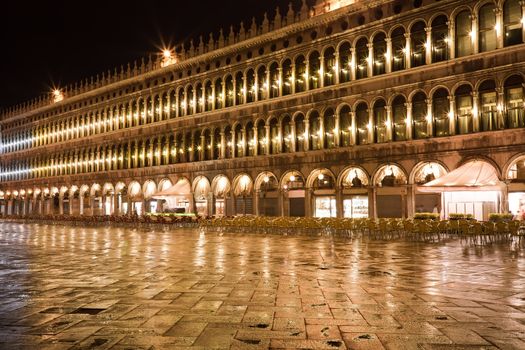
(267, 191)
(242, 191)
(354, 183)
(293, 191)
(202, 196)
(423, 173)
(221, 193)
(515, 179)
(390, 192)
(321, 186)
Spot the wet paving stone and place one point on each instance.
(118, 288)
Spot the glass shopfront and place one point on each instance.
(355, 207)
(517, 205)
(325, 207)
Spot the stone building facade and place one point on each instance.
(340, 109)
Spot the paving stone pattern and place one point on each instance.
(114, 288)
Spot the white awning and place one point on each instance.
(473, 176)
(180, 189)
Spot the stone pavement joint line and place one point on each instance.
(117, 288)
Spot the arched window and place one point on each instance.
(315, 130)
(188, 143)
(191, 100)
(487, 28)
(463, 97)
(330, 66)
(314, 63)
(344, 62)
(512, 22)
(274, 80)
(362, 123)
(239, 141)
(262, 83)
(361, 53)
(228, 149)
(345, 126)
(239, 88)
(399, 114)
(219, 95)
(208, 96)
(287, 134)
(173, 104)
(300, 130)
(489, 119)
(440, 110)
(287, 77)
(379, 54)
(329, 128)
(208, 145)
(182, 103)
(419, 116)
(398, 49)
(199, 100)
(251, 92)
(418, 39)
(463, 45)
(380, 121)
(217, 146)
(300, 74)
(261, 138)
(251, 142)
(514, 102)
(165, 106)
(439, 39)
(230, 96)
(275, 144)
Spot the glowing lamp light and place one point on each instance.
(321, 177)
(57, 96)
(292, 178)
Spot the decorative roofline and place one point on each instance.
(187, 55)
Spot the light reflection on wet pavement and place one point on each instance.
(116, 288)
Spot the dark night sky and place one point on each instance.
(46, 43)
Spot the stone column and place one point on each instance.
(452, 115)
(233, 146)
(408, 50)
(474, 34)
(322, 70)
(243, 142)
(389, 56)
(370, 60)
(428, 46)
(353, 63)
(268, 141)
(408, 122)
(522, 3)
(475, 111)
(337, 70)
(353, 132)
(222, 153)
(307, 78)
(451, 40)
(499, 27)
(389, 132)
(306, 139)
(339, 201)
(370, 127)
(429, 118)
